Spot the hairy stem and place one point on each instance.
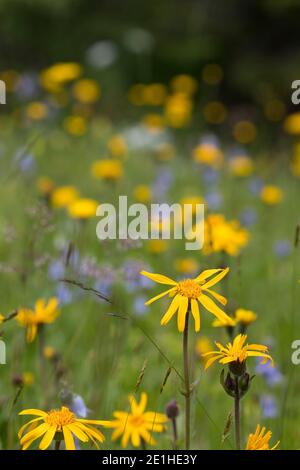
(187, 382)
(237, 420)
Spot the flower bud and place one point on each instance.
(172, 409)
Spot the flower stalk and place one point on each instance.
(187, 392)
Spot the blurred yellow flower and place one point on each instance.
(10, 78)
(212, 74)
(244, 132)
(44, 312)
(165, 151)
(45, 185)
(54, 77)
(186, 265)
(75, 125)
(2, 318)
(156, 247)
(142, 193)
(274, 110)
(186, 295)
(260, 440)
(203, 345)
(237, 352)
(245, 317)
(295, 164)
(153, 122)
(49, 352)
(221, 324)
(185, 84)
(111, 170)
(193, 201)
(292, 124)
(86, 91)
(241, 166)
(137, 424)
(214, 112)
(271, 195)
(83, 208)
(59, 425)
(154, 94)
(63, 196)
(27, 379)
(36, 110)
(208, 154)
(117, 146)
(178, 110)
(223, 235)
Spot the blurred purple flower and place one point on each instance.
(27, 164)
(248, 217)
(139, 305)
(64, 294)
(78, 406)
(255, 185)
(272, 375)
(162, 183)
(268, 406)
(210, 175)
(56, 270)
(214, 200)
(282, 248)
(27, 87)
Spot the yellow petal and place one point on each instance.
(214, 309)
(160, 295)
(205, 274)
(75, 429)
(48, 438)
(183, 306)
(69, 441)
(220, 298)
(34, 412)
(195, 313)
(171, 310)
(216, 279)
(160, 278)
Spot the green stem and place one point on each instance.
(237, 419)
(187, 383)
(57, 445)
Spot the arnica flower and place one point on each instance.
(260, 440)
(45, 185)
(117, 146)
(43, 313)
(137, 424)
(184, 84)
(36, 110)
(83, 208)
(237, 352)
(186, 295)
(64, 196)
(203, 345)
(223, 235)
(271, 195)
(111, 170)
(86, 91)
(292, 124)
(142, 193)
(208, 154)
(241, 166)
(75, 125)
(154, 122)
(59, 425)
(245, 317)
(178, 110)
(54, 77)
(186, 265)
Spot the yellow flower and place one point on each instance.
(292, 124)
(157, 246)
(218, 323)
(107, 169)
(260, 440)
(75, 125)
(237, 352)
(49, 352)
(203, 345)
(142, 193)
(83, 208)
(178, 110)
(241, 166)
(193, 201)
(54, 77)
(223, 235)
(184, 84)
(186, 295)
(86, 91)
(59, 425)
(36, 110)
(244, 132)
(153, 122)
(212, 74)
(208, 154)
(28, 379)
(2, 318)
(271, 195)
(43, 313)
(64, 196)
(186, 265)
(45, 185)
(138, 424)
(245, 317)
(117, 146)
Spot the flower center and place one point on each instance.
(60, 417)
(189, 288)
(136, 420)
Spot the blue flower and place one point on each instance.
(268, 406)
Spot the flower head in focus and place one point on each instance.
(187, 293)
(58, 425)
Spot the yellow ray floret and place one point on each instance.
(188, 293)
(260, 440)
